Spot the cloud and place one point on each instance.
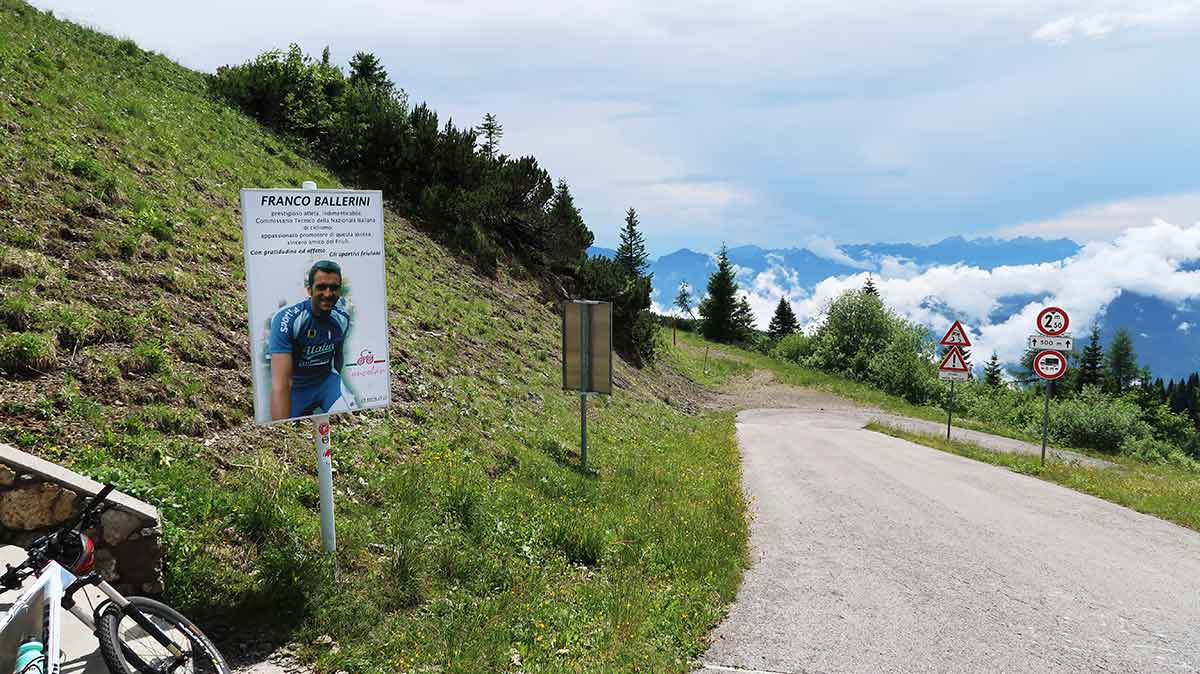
(1156, 261)
(1100, 24)
(1108, 220)
(824, 246)
(1185, 327)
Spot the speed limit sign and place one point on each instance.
(1053, 321)
(1049, 365)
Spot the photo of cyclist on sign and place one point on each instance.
(305, 344)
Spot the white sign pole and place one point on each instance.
(323, 441)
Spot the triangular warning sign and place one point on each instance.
(956, 336)
(953, 362)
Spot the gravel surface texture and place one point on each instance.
(872, 554)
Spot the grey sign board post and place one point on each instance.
(586, 356)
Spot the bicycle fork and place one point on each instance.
(117, 599)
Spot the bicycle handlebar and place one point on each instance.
(87, 509)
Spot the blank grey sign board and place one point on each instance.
(599, 343)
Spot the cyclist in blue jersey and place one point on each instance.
(306, 348)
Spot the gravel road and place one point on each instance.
(872, 554)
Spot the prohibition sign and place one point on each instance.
(1050, 365)
(1053, 321)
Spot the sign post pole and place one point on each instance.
(950, 410)
(585, 316)
(1045, 421)
(323, 441)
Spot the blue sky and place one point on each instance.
(779, 123)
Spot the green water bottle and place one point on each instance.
(29, 653)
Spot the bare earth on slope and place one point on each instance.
(761, 391)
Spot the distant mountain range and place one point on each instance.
(1161, 330)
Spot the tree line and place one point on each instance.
(452, 180)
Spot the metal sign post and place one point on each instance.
(585, 328)
(1045, 420)
(587, 357)
(950, 410)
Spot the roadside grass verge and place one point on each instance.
(1163, 491)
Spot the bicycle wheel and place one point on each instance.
(128, 649)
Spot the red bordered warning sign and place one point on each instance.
(1049, 365)
(956, 336)
(954, 361)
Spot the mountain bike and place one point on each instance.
(136, 634)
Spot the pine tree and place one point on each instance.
(1121, 363)
(784, 322)
(492, 131)
(1177, 396)
(683, 300)
(1192, 397)
(325, 56)
(366, 69)
(743, 320)
(1091, 366)
(718, 306)
(631, 254)
(992, 372)
(569, 236)
(869, 286)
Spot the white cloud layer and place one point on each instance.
(1100, 24)
(1146, 260)
(826, 247)
(1107, 221)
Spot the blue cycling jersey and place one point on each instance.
(315, 343)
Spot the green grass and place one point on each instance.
(707, 363)
(1163, 491)
(468, 537)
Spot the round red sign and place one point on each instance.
(1053, 321)
(1050, 365)
(323, 430)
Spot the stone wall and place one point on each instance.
(37, 496)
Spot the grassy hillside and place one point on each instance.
(468, 538)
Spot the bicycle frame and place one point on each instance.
(51, 592)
